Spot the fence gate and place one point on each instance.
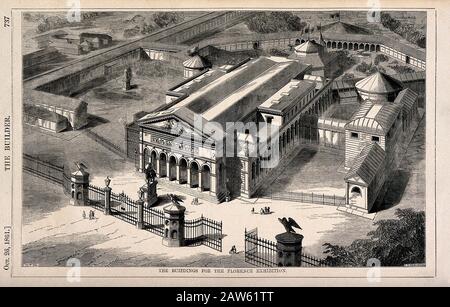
(203, 231)
(212, 233)
(258, 251)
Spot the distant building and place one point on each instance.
(96, 40)
(44, 119)
(68, 44)
(314, 54)
(39, 57)
(76, 44)
(73, 109)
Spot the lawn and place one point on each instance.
(111, 107)
(314, 169)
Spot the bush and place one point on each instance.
(395, 242)
(271, 22)
(164, 19)
(278, 52)
(380, 58)
(407, 31)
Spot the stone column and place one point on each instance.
(199, 188)
(289, 249)
(188, 172)
(178, 173)
(157, 166)
(140, 214)
(107, 209)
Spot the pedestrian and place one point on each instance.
(261, 211)
(93, 215)
(253, 210)
(84, 215)
(268, 210)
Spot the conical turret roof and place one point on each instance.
(195, 62)
(378, 83)
(307, 47)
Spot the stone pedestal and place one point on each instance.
(107, 210)
(79, 194)
(150, 195)
(140, 214)
(289, 249)
(173, 225)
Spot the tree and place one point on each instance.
(164, 19)
(395, 242)
(271, 22)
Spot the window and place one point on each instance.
(354, 135)
(376, 139)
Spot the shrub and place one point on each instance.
(395, 242)
(271, 22)
(380, 58)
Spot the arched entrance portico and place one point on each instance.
(356, 197)
(162, 165)
(206, 178)
(183, 171)
(172, 168)
(153, 160)
(194, 175)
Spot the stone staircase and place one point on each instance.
(184, 188)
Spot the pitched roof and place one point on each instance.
(374, 118)
(407, 99)
(378, 83)
(42, 113)
(195, 62)
(292, 91)
(367, 163)
(36, 97)
(410, 76)
(344, 28)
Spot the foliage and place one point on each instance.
(369, 69)
(395, 242)
(400, 69)
(278, 52)
(271, 22)
(348, 76)
(47, 23)
(343, 62)
(157, 21)
(380, 58)
(407, 31)
(165, 19)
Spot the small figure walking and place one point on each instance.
(253, 210)
(233, 250)
(261, 211)
(93, 215)
(84, 215)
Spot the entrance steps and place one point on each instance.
(194, 192)
(357, 211)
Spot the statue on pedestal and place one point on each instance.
(127, 78)
(289, 224)
(150, 173)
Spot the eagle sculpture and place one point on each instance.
(175, 199)
(289, 223)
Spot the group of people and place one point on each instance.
(195, 201)
(91, 214)
(265, 210)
